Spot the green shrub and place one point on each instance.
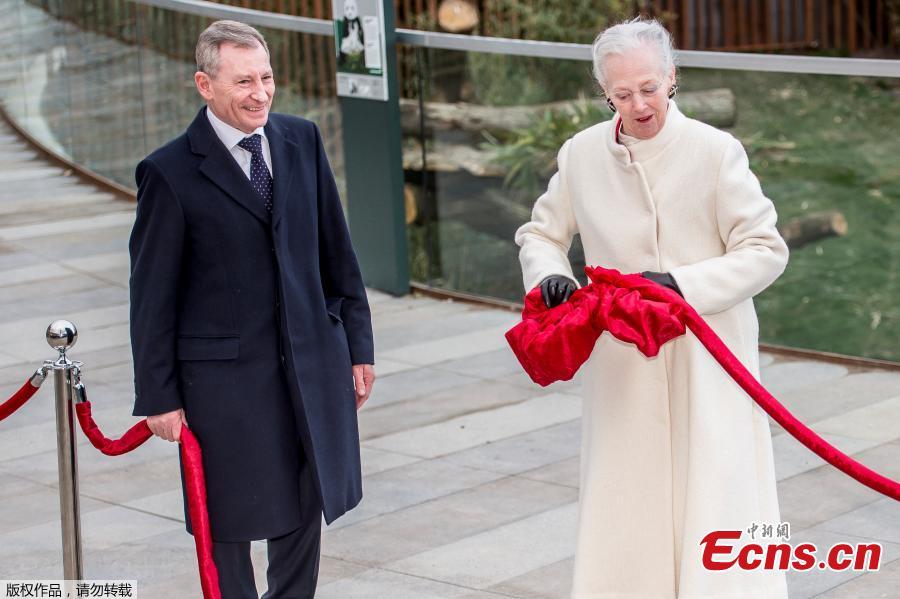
(530, 155)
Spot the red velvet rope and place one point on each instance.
(192, 459)
(17, 400)
(133, 437)
(783, 416)
(552, 344)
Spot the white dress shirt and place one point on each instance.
(231, 137)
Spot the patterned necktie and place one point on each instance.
(260, 178)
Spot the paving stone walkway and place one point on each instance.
(471, 471)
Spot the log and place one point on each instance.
(715, 107)
(812, 227)
(498, 121)
(457, 16)
(451, 158)
(411, 203)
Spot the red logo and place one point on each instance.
(722, 552)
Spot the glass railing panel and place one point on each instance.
(100, 84)
(12, 90)
(480, 181)
(823, 147)
(33, 47)
(117, 79)
(167, 69)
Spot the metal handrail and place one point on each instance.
(777, 63)
(820, 65)
(260, 18)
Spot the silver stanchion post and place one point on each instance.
(61, 335)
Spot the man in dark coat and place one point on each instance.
(249, 318)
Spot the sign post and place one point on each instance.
(370, 110)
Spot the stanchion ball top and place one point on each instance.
(61, 334)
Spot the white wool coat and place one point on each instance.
(672, 448)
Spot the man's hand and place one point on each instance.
(167, 426)
(363, 379)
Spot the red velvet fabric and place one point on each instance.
(133, 437)
(552, 344)
(17, 400)
(192, 459)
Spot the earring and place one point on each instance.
(610, 104)
(672, 91)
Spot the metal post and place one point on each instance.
(372, 153)
(61, 335)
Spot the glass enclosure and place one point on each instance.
(104, 82)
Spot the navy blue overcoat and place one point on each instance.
(250, 322)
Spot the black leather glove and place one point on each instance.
(556, 289)
(664, 279)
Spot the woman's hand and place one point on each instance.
(664, 279)
(556, 289)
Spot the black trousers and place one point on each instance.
(293, 558)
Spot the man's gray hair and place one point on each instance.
(629, 35)
(224, 32)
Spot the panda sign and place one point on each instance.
(359, 45)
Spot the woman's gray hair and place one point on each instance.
(224, 32)
(629, 35)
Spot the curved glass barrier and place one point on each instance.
(104, 82)
(822, 146)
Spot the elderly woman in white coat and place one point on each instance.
(672, 448)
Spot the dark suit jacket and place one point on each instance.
(251, 323)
